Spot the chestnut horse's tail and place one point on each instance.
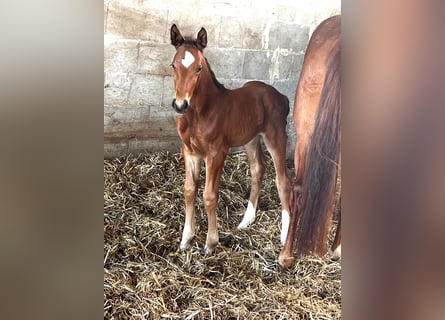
(319, 177)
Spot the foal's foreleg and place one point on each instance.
(192, 168)
(257, 168)
(335, 250)
(214, 164)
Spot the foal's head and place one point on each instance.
(187, 65)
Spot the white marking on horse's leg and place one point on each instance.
(187, 236)
(249, 216)
(188, 59)
(336, 254)
(285, 218)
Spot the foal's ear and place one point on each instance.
(201, 40)
(175, 36)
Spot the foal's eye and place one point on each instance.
(198, 70)
(172, 66)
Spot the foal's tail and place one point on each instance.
(319, 178)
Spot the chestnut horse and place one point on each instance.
(213, 119)
(317, 110)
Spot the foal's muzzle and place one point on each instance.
(180, 108)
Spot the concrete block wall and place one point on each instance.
(247, 40)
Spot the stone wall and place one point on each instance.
(247, 40)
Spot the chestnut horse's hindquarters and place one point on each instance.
(317, 122)
(319, 179)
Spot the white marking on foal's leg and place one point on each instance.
(249, 216)
(187, 236)
(188, 59)
(336, 254)
(285, 217)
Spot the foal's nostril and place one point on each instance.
(180, 108)
(185, 105)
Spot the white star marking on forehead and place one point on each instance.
(188, 59)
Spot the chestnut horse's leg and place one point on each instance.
(192, 168)
(214, 165)
(257, 168)
(276, 144)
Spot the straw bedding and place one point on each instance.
(146, 277)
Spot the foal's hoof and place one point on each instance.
(285, 261)
(208, 250)
(244, 224)
(184, 245)
(336, 254)
(249, 217)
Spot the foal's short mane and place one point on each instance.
(215, 81)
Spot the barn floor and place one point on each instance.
(146, 277)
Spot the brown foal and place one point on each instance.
(213, 119)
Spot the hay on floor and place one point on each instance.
(146, 277)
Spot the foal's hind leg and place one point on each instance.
(286, 257)
(276, 144)
(335, 250)
(257, 168)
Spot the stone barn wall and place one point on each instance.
(247, 40)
